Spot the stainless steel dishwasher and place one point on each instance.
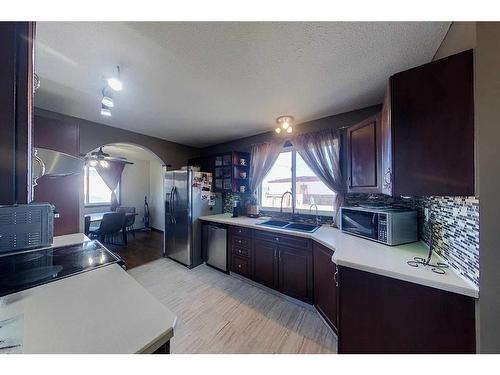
(216, 242)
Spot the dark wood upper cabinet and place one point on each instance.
(265, 263)
(363, 147)
(325, 286)
(16, 110)
(423, 142)
(430, 118)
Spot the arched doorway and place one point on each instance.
(141, 178)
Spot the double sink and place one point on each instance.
(297, 227)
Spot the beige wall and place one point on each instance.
(460, 37)
(156, 201)
(487, 108)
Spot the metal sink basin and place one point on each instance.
(275, 223)
(299, 227)
(302, 227)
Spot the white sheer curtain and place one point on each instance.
(263, 157)
(320, 152)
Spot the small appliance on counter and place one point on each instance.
(26, 226)
(390, 226)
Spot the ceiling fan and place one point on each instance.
(102, 158)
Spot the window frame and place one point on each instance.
(118, 191)
(294, 190)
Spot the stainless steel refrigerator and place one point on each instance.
(188, 195)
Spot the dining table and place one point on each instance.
(97, 216)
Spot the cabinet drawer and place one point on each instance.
(241, 242)
(240, 265)
(241, 251)
(297, 242)
(240, 231)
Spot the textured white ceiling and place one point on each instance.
(205, 83)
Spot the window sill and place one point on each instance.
(90, 205)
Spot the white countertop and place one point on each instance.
(100, 311)
(369, 256)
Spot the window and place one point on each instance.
(291, 173)
(278, 181)
(97, 192)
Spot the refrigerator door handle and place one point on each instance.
(172, 210)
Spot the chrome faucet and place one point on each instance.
(281, 205)
(317, 216)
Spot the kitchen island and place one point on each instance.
(103, 310)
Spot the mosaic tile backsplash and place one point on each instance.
(455, 227)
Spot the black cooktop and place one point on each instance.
(28, 269)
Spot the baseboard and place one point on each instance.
(274, 292)
(326, 324)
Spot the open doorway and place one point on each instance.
(136, 189)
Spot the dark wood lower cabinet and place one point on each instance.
(265, 263)
(379, 314)
(370, 313)
(295, 273)
(325, 285)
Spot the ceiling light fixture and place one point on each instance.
(284, 123)
(107, 99)
(114, 82)
(105, 111)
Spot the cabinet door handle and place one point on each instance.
(239, 265)
(335, 277)
(276, 239)
(275, 254)
(279, 255)
(239, 251)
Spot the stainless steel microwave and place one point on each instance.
(387, 226)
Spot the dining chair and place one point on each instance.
(129, 217)
(111, 224)
(87, 225)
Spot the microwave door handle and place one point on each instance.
(375, 225)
